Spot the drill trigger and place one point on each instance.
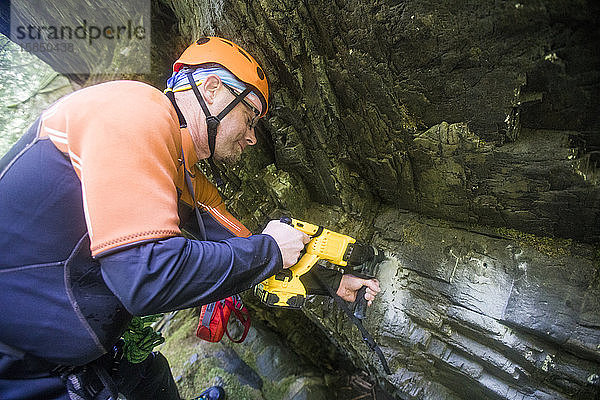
(283, 275)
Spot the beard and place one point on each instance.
(230, 157)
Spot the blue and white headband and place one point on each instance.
(178, 82)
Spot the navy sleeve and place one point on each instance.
(177, 273)
(214, 230)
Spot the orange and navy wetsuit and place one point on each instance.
(92, 203)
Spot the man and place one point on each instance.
(93, 201)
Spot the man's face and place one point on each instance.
(236, 130)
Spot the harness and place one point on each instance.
(87, 382)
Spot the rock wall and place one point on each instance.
(462, 137)
(473, 314)
(28, 86)
(361, 93)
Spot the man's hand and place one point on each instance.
(350, 284)
(290, 240)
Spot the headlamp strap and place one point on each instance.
(190, 77)
(234, 103)
(212, 122)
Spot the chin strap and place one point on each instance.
(212, 122)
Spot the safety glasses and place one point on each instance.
(253, 109)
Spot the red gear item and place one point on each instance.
(214, 318)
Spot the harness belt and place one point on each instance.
(90, 381)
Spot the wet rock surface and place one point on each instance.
(265, 366)
(28, 86)
(467, 314)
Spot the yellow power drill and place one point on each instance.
(285, 289)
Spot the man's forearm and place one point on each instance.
(178, 273)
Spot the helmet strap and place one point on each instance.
(180, 117)
(212, 122)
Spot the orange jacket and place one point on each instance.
(130, 164)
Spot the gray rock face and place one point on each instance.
(232, 363)
(471, 315)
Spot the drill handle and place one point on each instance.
(360, 304)
(307, 261)
(306, 227)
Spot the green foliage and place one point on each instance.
(550, 246)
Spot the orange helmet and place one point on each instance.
(233, 58)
